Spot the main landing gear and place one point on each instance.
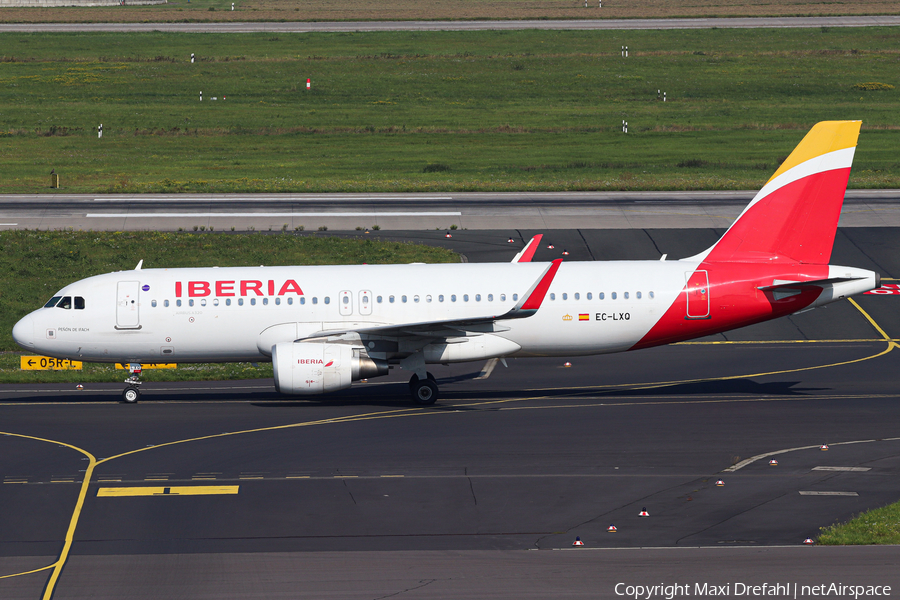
(424, 391)
(132, 393)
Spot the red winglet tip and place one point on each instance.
(531, 248)
(536, 298)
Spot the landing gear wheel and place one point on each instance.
(424, 393)
(131, 395)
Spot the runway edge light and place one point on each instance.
(644, 512)
(720, 483)
(611, 529)
(823, 447)
(773, 462)
(578, 541)
(809, 542)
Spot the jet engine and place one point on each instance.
(316, 368)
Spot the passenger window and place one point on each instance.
(327, 299)
(452, 297)
(378, 299)
(428, 298)
(490, 297)
(265, 301)
(651, 295)
(502, 297)
(515, 297)
(416, 298)
(638, 295)
(153, 303)
(403, 299)
(553, 296)
(601, 295)
(79, 303)
(178, 303)
(240, 301)
(166, 303)
(465, 297)
(577, 296)
(65, 303)
(315, 300)
(613, 296)
(277, 301)
(625, 295)
(290, 300)
(191, 302)
(589, 296)
(203, 302)
(52, 302)
(565, 296)
(302, 300)
(252, 301)
(227, 301)
(346, 299)
(477, 297)
(391, 299)
(441, 298)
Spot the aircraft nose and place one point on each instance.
(23, 332)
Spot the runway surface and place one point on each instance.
(392, 212)
(344, 26)
(229, 490)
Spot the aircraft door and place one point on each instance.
(346, 303)
(697, 290)
(128, 305)
(365, 302)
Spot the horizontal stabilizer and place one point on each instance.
(802, 284)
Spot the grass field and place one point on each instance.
(35, 264)
(878, 526)
(355, 10)
(488, 110)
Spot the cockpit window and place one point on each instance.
(65, 303)
(79, 303)
(52, 302)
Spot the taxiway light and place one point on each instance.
(551, 246)
(611, 529)
(79, 387)
(809, 542)
(567, 364)
(578, 541)
(644, 512)
(720, 483)
(565, 252)
(773, 462)
(510, 241)
(447, 235)
(823, 447)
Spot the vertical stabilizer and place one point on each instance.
(794, 216)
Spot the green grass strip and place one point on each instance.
(438, 111)
(878, 526)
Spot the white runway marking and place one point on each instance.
(829, 494)
(326, 197)
(850, 469)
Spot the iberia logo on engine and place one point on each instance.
(314, 361)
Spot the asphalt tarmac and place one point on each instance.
(229, 490)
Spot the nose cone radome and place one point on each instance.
(23, 332)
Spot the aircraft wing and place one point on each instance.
(529, 304)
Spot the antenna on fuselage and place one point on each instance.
(140, 263)
(663, 257)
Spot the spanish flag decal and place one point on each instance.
(584, 317)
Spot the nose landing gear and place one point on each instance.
(132, 393)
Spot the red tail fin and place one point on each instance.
(794, 216)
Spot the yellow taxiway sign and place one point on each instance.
(45, 363)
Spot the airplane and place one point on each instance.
(324, 327)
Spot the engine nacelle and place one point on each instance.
(315, 368)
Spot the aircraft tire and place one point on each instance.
(424, 393)
(131, 395)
